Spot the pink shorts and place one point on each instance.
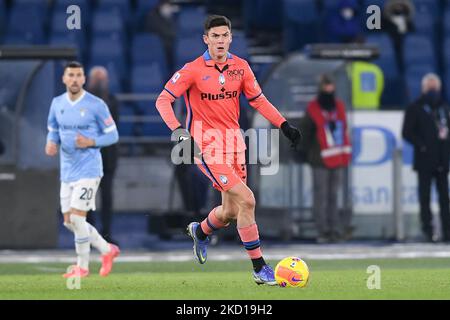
(227, 173)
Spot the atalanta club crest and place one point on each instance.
(221, 79)
(224, 179)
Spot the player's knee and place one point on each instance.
(248, 202)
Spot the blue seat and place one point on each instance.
(62, 5)
(17, 40)
(187, 49)
(300, 11)
(147, 79)
(446, 85)
(239, 45)
(386, 61)
(190, 21)
(143, 7)
(39, 7)
(72, 39)
(25, 21)
(418, 50)
(301, 24)
(425, 25)
(262, 14)
(146, 5)
(147, 49)
(446, 53)
(106, 51)
(427, 6)
(3, 15)
(158, 129)
(122, 5)
(446, 21)
(105, 22)
(126, 128)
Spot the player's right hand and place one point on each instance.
(185, 141)
(51, 149)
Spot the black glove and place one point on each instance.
(185, 141)
(292, 133)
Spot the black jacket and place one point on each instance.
(309, 145)
(420, 128)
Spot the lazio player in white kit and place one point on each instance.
(79, 124)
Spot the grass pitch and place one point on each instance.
(337, 279)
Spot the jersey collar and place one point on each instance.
(76, 101)
(210, 62)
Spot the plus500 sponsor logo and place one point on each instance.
(375, 145)
(219, 96)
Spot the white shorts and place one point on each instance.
(79, 194)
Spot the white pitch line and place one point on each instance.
(225, 256)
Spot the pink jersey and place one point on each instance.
(211, 93)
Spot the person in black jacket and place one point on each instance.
(98, 85)
(426, 127)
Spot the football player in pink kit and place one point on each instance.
(211, 85)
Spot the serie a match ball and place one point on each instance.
(292, 272)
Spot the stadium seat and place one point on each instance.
(446, 21)
(146, 5)
(126, 128)
(147, 79)
(39, 7)
(418, 50)
(63, 4)
(190, 21)
(27, 22)
(73, 39)
(424, 24)
(187, 49)
(157, 129)
(17, 40)
(262, 14)
(300, 11)
(107, 50)
(146, 49)
(386, 61)
(301, 24)
(124, 6)
(105, 22)
(427, 6)
(239, 45)
(3, 19)
(446, 52)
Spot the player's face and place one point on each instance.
(218, 40)
(74, 79)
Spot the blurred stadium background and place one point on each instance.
(275, 36)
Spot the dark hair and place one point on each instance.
(73, 64)
(325, 79)
(216, 21)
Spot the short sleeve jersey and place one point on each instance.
(211, 94)
(88, 116)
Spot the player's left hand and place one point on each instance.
(82, 142)
(292, 133)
